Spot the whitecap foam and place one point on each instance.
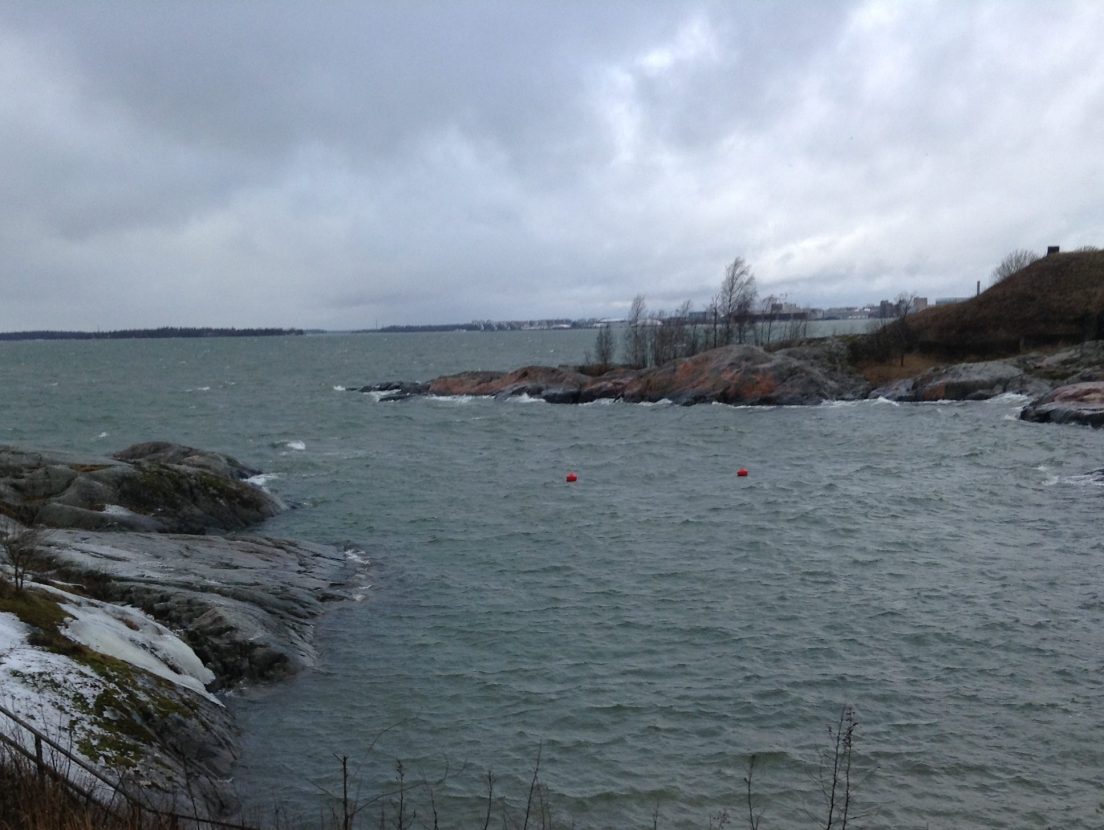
(360, 593)
(525, 397)
(1086, 480)
(340, 389)
(101, 436)
(295, 445)
(1010, 398)
(453, 399)
(357, 555)
(261, 480)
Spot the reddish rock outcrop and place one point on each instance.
(1076, 403)
(732, 374)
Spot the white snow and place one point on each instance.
(41, 688)
(132, 636)
(117, 510)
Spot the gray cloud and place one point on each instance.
(336, 165)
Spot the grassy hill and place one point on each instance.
(1056, 300)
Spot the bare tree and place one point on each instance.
(636, 335)
(1011, 264)
(768, 311)
(685, 336)
(712, 337)
(660, 340)
(735, 301)
(22, 551)
(603, 346)
(906, 302)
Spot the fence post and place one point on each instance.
(39, 763)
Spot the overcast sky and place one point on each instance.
(342, 165)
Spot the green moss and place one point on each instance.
(158, 487)
(45, 618)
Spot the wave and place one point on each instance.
(296, 445)
(261, 480)
(1010, 398)
(458, 400)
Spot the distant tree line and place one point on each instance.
(734, 315)
(146, 334)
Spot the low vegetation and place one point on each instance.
(1053, 301)
(34, 797)
(1034, 303)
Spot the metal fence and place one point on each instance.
(48, 755)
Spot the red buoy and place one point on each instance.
(742, 473)
(572, 477)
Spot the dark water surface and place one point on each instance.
(654, 624)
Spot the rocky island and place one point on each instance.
(1037, 333)
(130, 599)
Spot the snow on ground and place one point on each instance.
(46, 690)
(131, 635)
(64, 698)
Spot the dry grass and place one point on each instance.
(879, 373)
(29, 801)
(1056, 299)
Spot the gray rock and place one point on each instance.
(150, 487)
(1076, 403)
(163, 452)
(962, 382)
(749, 375)
(245, 605)
(733, 374)
(396, 390)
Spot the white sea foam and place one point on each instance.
(101, 436)
(295, 445)
(356, 555)
(360, 593)
(525, 397)
(1010, 398)
(456, 400)
(1086, 480)
(340, 389)
(261, 480)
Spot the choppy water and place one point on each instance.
(654, 624)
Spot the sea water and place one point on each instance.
(647, 629)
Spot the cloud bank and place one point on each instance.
(344, 165)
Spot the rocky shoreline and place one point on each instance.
(142, 600)
(1066, 386)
